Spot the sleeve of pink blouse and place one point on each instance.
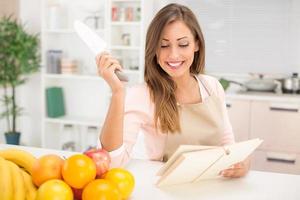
(228, 137)
(135, 115)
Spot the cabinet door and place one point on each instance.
(277, 124)
(239, 115)
(276, 162)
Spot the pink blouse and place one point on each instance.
(138, 118)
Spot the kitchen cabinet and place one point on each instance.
(267, 160)
(239, 115)
(276, 121)
(278, 124)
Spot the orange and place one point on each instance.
(123, 179)
(45, 168)
(78, 170)
(101, 189)
(54, 189)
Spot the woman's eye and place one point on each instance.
(164, 46)
(180, 45)
(183, 45)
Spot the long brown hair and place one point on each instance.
(162, 87)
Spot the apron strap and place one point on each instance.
(205, 84)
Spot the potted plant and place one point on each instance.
(19, 56)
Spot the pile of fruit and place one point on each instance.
(81, 176)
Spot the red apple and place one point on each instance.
(77, 193)
(101, 158)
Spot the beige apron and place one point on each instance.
(201, 123)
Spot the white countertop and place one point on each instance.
(255, 186)
(263, 96)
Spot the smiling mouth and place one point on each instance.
(175, 65)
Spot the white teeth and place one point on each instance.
(174, 64)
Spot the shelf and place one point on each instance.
(125, 23)
(72, 76)
(75, 120)
(125, 1)
(120, 47)
(67, 31)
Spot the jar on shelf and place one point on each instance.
(126, 39)
(68, 66)
(95, 21)
(91, 137)
(114, 13)
(137, 14)
(122, 14)
(129, 14)
(53, 58)
(56, 17)
(69, 139)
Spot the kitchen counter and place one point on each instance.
(263, 96)
(255, 186)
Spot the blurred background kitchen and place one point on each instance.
(252, 47)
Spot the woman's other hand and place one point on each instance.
(106, 67)
(237, 170)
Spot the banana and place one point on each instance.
(31, 190)
(20, 157)
(6, 187)
(17, 181)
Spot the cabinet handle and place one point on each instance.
(284, 109)
(228, 105)
(281, 158)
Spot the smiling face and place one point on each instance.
(175, 53)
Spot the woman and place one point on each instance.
(177, 104)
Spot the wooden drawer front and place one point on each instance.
(277, 124)
(276, 162)
(239, 116)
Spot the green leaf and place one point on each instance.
(19, 56)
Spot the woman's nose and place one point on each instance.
(174, 52)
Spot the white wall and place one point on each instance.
(249, 36)
(28, 95)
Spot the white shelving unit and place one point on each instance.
(86, 96)
(126, 38)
